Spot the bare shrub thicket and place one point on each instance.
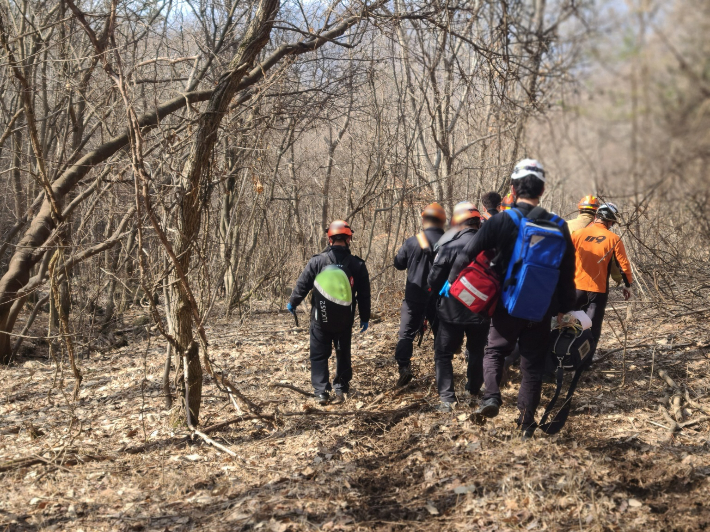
(186, 157)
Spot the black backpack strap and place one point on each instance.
(536, 213)
(558, 422)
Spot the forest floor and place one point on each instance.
(115, 460)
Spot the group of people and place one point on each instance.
(434, 260)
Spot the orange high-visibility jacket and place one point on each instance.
(597, 248)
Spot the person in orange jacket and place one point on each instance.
(597, 248)
(587, 208)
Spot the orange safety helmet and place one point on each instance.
(463, 211)
(340, 227)
(436, 211)
(589, 203)
(508, 202)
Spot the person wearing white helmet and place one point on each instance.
(500, 233)
(597, 250)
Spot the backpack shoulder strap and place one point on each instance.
(515, 215)
(536, 213)
(559, 222)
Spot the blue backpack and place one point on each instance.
(534, 267)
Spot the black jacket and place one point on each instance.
(356, 267)
(500, 233)
(450, 309)
(417, 262)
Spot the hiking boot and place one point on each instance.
(339, 397)
(322, 398)
(405, 376)
(527, 431)
(488, 408)
(445, 407)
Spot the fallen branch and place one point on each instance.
(214, 444)
(673, 426)
(695, 404)
(219, 426)
(694, 421)
(363, 413)
(606, 355)
(670, 382)
(291, 387)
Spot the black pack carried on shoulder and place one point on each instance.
(333, 296)
(570, 350)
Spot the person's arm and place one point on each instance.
(566, 290)
(439, 271)
(487, 237)
(362, 290)
(400, 260)
(624, 264)
(304, 283)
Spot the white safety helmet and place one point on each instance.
(528, 167)
(608, 212)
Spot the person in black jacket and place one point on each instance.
(455, 319)
(322, 341)
(416, 256)
(500, 233)
(491, 202)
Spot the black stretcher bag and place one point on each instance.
(570, 350)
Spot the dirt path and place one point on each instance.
(391, 462)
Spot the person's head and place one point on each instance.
(508, 202)
(528, 180)
(491, 203)
(433, 215)
(588, 205)
(339, 233)
(608, 214)
(466, 215)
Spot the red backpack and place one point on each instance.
(477, 286)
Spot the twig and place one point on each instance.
(219, 426)
(364, 413)
(673, 425)
(653, 362)
(695, 404)
(291, 387)
(215, 444)
(694, 421)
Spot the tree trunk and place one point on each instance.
(195, 190)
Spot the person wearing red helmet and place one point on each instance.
(508, 202)
(339, 282)
(455, 320)
(416, 256)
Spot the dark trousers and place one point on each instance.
(533, 339)
(322, 343)
(411, 318)
(594, 305)
(448, 340)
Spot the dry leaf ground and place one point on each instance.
(113, 460)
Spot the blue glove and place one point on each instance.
(445, 291)
(290, 308)
(364, 325)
